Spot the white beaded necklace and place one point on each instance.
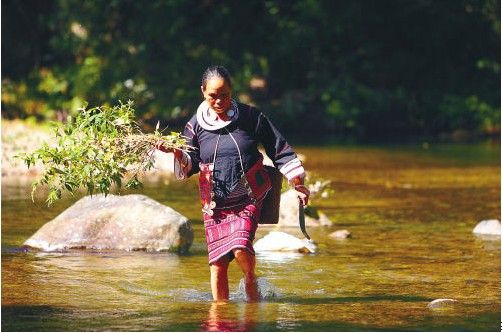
(209, 120)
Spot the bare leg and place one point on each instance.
(247, 263)
(219, 279)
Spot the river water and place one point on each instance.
(411, 212)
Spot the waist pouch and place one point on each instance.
(257, 181)
(269, 213)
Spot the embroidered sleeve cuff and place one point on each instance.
(182, 165)
(293, 169)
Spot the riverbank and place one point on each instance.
(21, 137)
(24, 137)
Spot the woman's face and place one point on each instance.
(218, 94)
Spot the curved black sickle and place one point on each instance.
(302, 219)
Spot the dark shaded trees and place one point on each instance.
(364, 69)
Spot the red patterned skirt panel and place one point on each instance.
(230, 229)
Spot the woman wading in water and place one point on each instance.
(232, 180)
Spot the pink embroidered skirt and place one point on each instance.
(230, 229)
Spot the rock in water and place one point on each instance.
(487, 227)
(288, 212)
(324, 220)
(341, 234)
(441, 303)
(130, 222)
(281, 241)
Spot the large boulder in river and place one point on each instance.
(130, 222)
(288, 212)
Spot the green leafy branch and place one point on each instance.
(97, 149)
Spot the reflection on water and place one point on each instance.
(411, 214)
(279, 257)
(228, 317)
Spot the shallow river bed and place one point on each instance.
(411, 212)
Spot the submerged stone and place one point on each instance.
(442, 303)
(341, 234)
(130, 222)
(487, 227)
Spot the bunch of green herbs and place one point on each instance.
(97, 149)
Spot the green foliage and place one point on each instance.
(97, 149)
(361, 68)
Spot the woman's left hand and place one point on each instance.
(303, 193)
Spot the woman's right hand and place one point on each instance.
(302, 191)
(303, 194)
(160, 146)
